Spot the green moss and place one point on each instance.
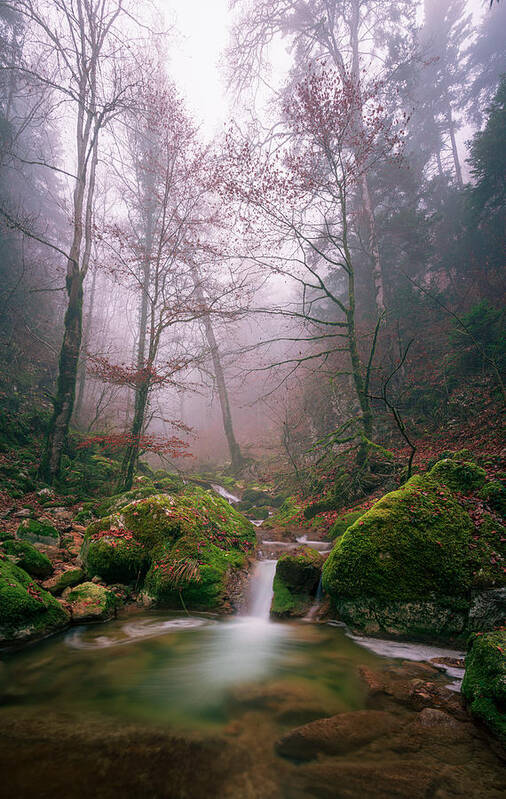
(28, 558)
(484, 685)
(488, 554)
(38, 532)
(295, 582)
(91, 601)
(285, 515)
(341, 525)
(26, 610)
(6, 536)
(258, 513)
(412, 544)
(462, 476)
(194, 527)
(66, 579)
(289, 603)
(494, 493)
(205, 568)
(115, 556)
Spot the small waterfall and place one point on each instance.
(261, 590)
(316, 604)
(225, 494)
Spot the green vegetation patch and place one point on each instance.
(90, 601)
(464, 476)
(484, 685)
(295, 582)
(346, 520)
(38, 532)
(187, 543)
(26, 610)
(28, 558)
(412, 544)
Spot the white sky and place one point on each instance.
(195, 52)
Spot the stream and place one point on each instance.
(168, 706)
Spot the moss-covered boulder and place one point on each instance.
(188, 543)
(464, 476)
(494, 493)
(91, 602)
(343, 522)
(38, 532)
(296, 582)
(65, 579)
(26, 610)
(404, 567)
(27, 557)
(285, 516)
(484, 685)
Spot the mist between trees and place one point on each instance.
(317, 283)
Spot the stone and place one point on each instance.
(488, 610)
(64, 579)
(337, 735)
(91, 602)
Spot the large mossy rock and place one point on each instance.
(187, 543)
(91, 602)
(404, 567)
(38, 532)
(296, 582)
(484, 685)
(27, 557)
(26, 610)
(458, 475)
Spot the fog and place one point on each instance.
(228, 226)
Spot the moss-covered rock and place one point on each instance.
(26, 610)
(494, 493)
(91, 602)
(484, 685)
(409, 554)
(295, 582)
(115, 556)
(464, 476)
(488, 554)
(5, 535)
(28, 558)
(65, 579)
(38, 532)
(285, 515)
(190, 541)
(343, 522)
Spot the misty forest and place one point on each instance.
(252, 351)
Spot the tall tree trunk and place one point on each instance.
(66, 385)
(453, 140)
(131, 456)
(236, 457)
(81, 373)
(372, 236)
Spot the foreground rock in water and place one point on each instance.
(336, 735)
(408, 565)
(91, 602)
(179, 548)
(26, 610)
(484, 684)
(296, 581)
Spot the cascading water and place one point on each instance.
(261, 590)
(231, 498)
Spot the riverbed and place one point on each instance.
(157, 704)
